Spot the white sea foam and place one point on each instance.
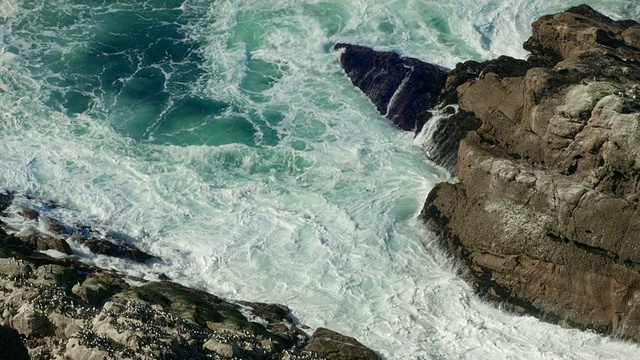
(323, 220)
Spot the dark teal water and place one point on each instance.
(225, 138)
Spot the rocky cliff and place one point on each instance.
(545, 215)
(53, 306)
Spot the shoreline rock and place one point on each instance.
(61, 308)
(403, 89)
(545, 216)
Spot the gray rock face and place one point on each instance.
(546, 213)
(334, 346)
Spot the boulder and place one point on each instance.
(31, 323)
(93, 291)
(402, 89)
(43, 242)
(227, 350)
(333, 346)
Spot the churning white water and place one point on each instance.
(224, 137)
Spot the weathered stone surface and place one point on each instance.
(93, 291)
(117, 249)
(402, 89)
(546, 212)
(334, 346)
(65, 309)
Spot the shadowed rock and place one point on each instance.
(334, 346)
(6, 198)
(402, 89)
(11, 346)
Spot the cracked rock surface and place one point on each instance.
(546, 214)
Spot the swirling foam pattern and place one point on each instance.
(224, 137)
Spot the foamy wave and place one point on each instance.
(317, 208)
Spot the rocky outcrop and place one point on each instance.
(402, 89)
(334, 346)
(546, 214)
(60, 308)
(33, 226)
(409, 92)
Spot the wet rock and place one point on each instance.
(270, 312)
(402, 89)
(43, 242)
(6, 198)
(30, 214)
(334, 346)
(445, 134)
(56, 226)
(278, 320)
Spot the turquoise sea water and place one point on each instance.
(224, 137)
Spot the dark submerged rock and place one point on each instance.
(118, 249)
(402, 89)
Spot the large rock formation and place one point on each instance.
(60, 308)
(545, 215)
(402, 89)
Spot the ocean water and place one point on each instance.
(223, 136)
